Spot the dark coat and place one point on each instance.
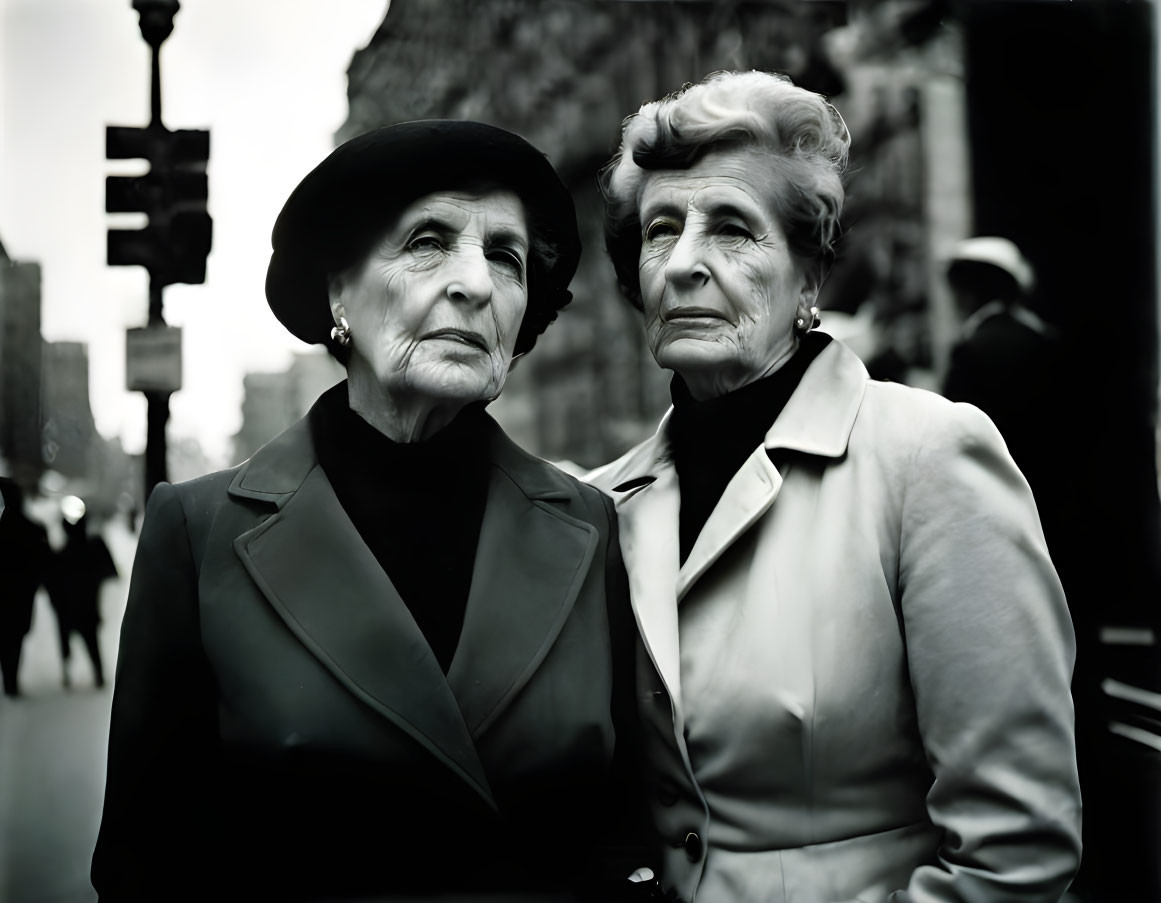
(1012, 368)
(24, 558)
(281, 729)
(78, 570)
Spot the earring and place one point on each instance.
(342, 332)
(803, 327)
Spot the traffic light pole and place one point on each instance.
(157, 402)
(173, 246)
(156, 21)
(155, 84)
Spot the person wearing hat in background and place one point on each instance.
(390, 652)
(1008, 362)
(1005, 362)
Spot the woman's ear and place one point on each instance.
(807, 299)
(336, 285)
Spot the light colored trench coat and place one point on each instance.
(856, 688)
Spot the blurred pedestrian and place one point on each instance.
(81, 566)
(24, 557)
(1007, 361)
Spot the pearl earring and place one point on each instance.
(802, 324)
(342, 332)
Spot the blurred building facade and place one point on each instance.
(77, 459)
(48, 440)
(68, 432)
(20, 368)
(273, 401)
(564, 73)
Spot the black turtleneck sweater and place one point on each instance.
(711, 439)
(418, 506)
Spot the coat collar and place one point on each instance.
(322, 580)
(276, 471)
(821, 413)
(817, 420)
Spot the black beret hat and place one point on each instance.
(343, 205)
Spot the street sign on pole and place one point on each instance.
(153, 359)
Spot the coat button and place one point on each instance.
(692, 845)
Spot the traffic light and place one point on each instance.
(175, 243)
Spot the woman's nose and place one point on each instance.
(470, 280)
(686, 264)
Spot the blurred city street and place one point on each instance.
(52, 753)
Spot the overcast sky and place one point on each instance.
(266, 77)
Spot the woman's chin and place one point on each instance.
(688, 356)
(455, 384)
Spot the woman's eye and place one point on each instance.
(425, 243)
(734, 230)
(660, 229)
(507, 258)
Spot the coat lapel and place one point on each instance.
(820, 415)
(322, 580)
(748, 495)
(530, 564)
(645, 493)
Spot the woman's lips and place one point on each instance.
(464, 336)
(692, 313)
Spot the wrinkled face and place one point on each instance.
(435, 307)
(720, 287)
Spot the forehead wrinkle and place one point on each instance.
(503, 220)
(727, 195)
(747, 172)
(442, 210)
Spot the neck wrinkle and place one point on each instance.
(717, 384)
(407, 420)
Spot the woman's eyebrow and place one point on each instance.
(727, 209)
(504, 235)
(428, 220)
(661, 207)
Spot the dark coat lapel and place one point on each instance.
(324, 582)
(531, 562)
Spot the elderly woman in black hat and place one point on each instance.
(383, 654)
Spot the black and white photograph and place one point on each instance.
(580, 451)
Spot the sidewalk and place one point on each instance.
(52, 754)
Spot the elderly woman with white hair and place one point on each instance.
(856, 652)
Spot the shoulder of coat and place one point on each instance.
(914, 418)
